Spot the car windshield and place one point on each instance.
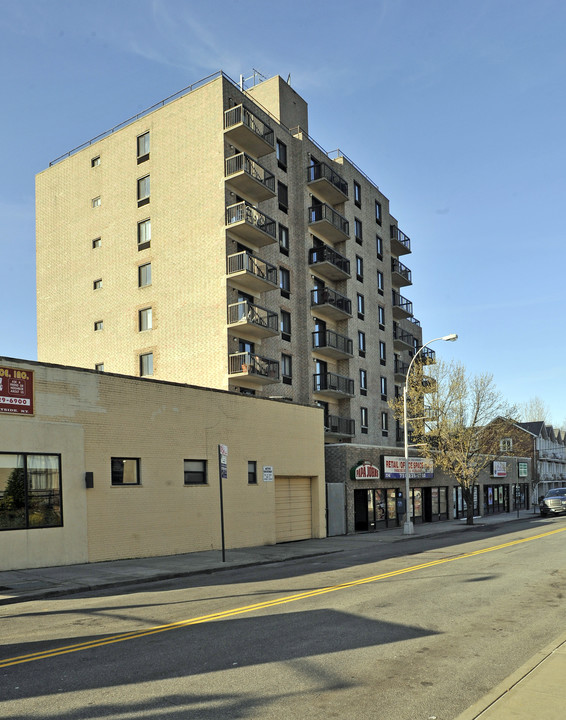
(556, 492)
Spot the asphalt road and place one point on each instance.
(416, 630)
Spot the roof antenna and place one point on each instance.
(289, 79)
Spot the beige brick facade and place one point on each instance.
(89, 418)
(198, 328)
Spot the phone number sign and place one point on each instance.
(16, 391)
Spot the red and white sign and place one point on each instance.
(16, 391)
(366, 472)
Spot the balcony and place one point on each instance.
(400, 274)
(400, 243)
(247, 177)
(249, 224)
(251, 274)
(427, 356)
(335, 426)
(250, 370)
(252, 321)
(328, 263)
(248, 132)
(329, 224)
(401, 369)
(326, 184)
(429, 384)
(330, 304)
(332, 344)
(402, 340)
(332, 385)
(402, 308)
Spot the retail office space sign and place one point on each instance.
(16, 391)
(419, 468)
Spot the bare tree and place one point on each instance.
(450, 420)
(534, 410)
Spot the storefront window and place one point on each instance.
(30, 491)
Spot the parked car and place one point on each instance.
(554, 502)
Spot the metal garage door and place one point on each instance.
(293, 509)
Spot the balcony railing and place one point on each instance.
(250, 364)
(252, 272)
(334, 425)
(246, 221)
(402, 336)
(262, 322)
(327, 183)
(400, 243)
(397, 268)
(401, 306)
(329, 263)
(248, 130)
(427, 356)
(333, 383)
(248, 176)
(328, 222)
(401, 367)
(335, 301)
(332, 343)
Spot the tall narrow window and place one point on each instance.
(384, 424)
(381, 316)
(285, 282)
(284, 239)
(378, 212)
(144, 234)
(143, 147)
(143, 191)
(383, 385)
(145, 319)
(287, 369)
(96, 243)
(382, 353)
(285, 325)
(144, 275)
(357, 194)
(281, 150)
(96, 202)
(358, 230)
(95, 162)
(252, 472)
(359, 268)
(361, 306)
(362, 343)
(97, 284)
(283, 197)
(380, 282)
(363, 382)
(364, 419)
(146, 364)
(379, 247)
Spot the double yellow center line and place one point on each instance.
(8, 662)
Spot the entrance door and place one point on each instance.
(427, 504)
(293, 509)
(361, 516)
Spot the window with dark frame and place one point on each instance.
(380, 282)
(358, 230)
(143, 190)
(252, 472)
(286, 369)
(383, 387)
(98, 325)
(361, 306)
(145, 319)
(281, 152)
(285, 325)
(97, 284)
(359, 268)
(32, 491)
(125, 471)
(95, 162)
(363, 382)
(146, 364)
(378, 212)
(361, 343)
(357, 194)
(384, 424)
(381, 317)
(143, 147)
(96, 202)
(96, 243)
(382, 353)
(284, 239)
(379, 247)
(285, 282)
(364, 419)
(144, 234)
(283, 196)
(99, 367)
(195, 472)
(144, 275)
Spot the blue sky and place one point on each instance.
(455, 109)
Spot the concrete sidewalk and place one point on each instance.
(535, 690)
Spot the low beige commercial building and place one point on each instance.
(97, 466)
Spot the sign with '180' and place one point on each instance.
(16, 391)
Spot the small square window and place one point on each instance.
(97, 284)
(378, 212)
(146, 364)
(195, 472)
(283, 197)
(95, 162)
(144, 234)
(145, 319)
(143, 190)
(99, 325)
(96, 202)
(99, 367)
(284, 239)
(125, 471)
(357, 194)
(281, 151)
(96, 243)
(252, 472)
(144, 275)
(143, 147)
(285, 282)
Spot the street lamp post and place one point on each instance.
(408, 528)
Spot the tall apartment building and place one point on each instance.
(212, 241)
